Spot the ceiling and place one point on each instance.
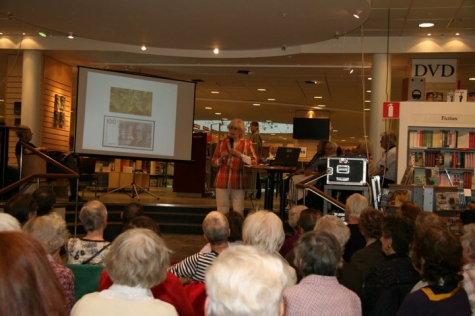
(296, 50)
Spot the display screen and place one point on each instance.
(311, 128)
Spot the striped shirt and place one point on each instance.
(194, 266)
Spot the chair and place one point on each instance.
(86, 278)
(87, 173)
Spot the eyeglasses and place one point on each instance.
(233, 128)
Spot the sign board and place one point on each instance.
(303, 152)
(391, 110)
(435, 70)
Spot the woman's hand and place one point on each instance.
(235, 153)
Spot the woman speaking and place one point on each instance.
(230, 157)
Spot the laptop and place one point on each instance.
(287, 157)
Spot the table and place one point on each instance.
(272, 171)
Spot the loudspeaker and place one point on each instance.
(413, 89)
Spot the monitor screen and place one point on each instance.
(311, 128)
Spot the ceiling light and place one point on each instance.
(143, 47)
(317, 97)
(224, 119)
(369, 91)
(215, 92)
(23, 33)
(316, 107)
(268, 121)
(261, 89)
(471, 79)
(352, 137)
(426, 24)
(42, 33)
(322, 105)
(367, 101)
(367, 109)
(1, 33)
(271, 99)
(208, 108)
(429, 34)
(337, 35)
(256, 104)
(70, 35)
(342, 140)
(357, 14)
(457, 34)
(369, 78)
(216, 51)
(218, 113)
(335, 131)
(351, 71)
(311, 81)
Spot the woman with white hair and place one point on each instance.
(8, 222)
(91, 249)
(137, 261)
(265, 231)
(318, 256)
(468, 246)
(230, 157)
(348, 274)
(355, 204)
(52, 232)
(245, 281)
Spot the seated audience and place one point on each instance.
(28, 285)
(91, 249)
(409, 209)
(8, 223)
(235, 221)
(395, 274)
(137, 261)
(245, 281)
(429, 219)
(265, 231)
(21, 206)
(468, 246)
(45, 199)
(437, 255)
(294, 215)
(371, 255)
(216, 232)
(318, 256)
(348, 274)
(355, 204)
(52, 232)
(169, 290)
(131, 210)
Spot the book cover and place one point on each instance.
(419, 176)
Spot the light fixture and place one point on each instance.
(426, 24)
(43, 33)
(368, 91)
(357, 14)
(218, 113)
(208, 108)
(429, 34)
(367, 101)
(369, 78)
(457, 34)
(70, 35)
(143, 47)
(335, 131)
(351, 70)
(256, 104)
(271, 99)
(337, 35)
(216, 51)
(215, 92)
(322, 105)
(471, 79)
(317, 97)
(261, 89)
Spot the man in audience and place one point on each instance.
(131, 210)
(245, 281)
(355, 204)
(45, 199)
(21, 206)
(216, 232)
(386, 166)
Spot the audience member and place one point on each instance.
(371, 255)
(468, 246)
(137, 261)
(408, 209)
(318, 256)
(245, 281)
(170, 290)
(235, 221)
(21, 206)
(348, 275)
(467, 219)
(429, 219)
(24, 134)
(355, 204)
(45, 199)
(437, 255)
(229, 158)
(386, 166)
(365, 149)
(131, 210)
(294, 215)
(8, 223)
(388, 282)
(28, 285)
(52, 232)
(216, 232)
(265, 231)
(91, 249)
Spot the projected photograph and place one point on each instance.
(126, 133)
(129, 101)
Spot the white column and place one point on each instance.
(380, 92)
(31, 93)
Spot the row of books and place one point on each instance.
(441, 139)
(442, 159)
(436, 176)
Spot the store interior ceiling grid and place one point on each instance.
(282, 44)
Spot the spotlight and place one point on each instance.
(357, 14)
(216, 51)
(351, 71)
(70, 35)
(43, 33)
(143, 47)
(337, 35)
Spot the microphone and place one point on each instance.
(231, 142)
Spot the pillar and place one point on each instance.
(31, 93)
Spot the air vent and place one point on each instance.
(244, 72)
(311, 81)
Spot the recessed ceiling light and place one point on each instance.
(256, 104)
(261, 89)
(70, 35)
(317, 97)
(369, 91)
(143, 47)
(342, 140)
(356, 14)
(335, 131)
(311, 81)
(352, 137)
(367, 101)
(208, 108)
(43, 33)
(472, 79)
(457, 34)
(215, 92)
(367, 109)
(23, 33)
(271, 99)
(316, 107)
(216, 51)
(426, 24)
(369, 78)
(322, 105)
(429, 34)
(1, 33)
(218, 113)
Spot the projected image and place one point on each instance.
(129, 101)
(126, 133)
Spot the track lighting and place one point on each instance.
(357, 14)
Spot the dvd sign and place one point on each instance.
(435, 70)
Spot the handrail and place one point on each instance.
(323, 195)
